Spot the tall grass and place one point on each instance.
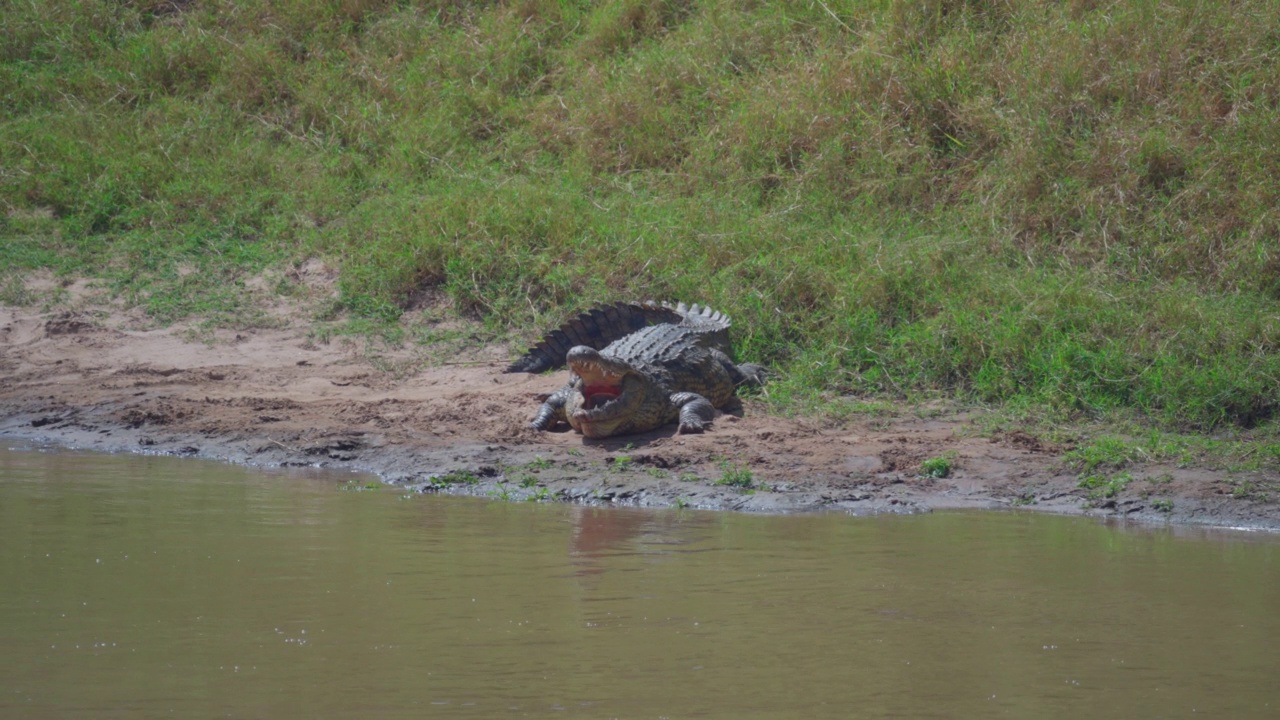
(1069, 204)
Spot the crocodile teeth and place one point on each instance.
(600, 400)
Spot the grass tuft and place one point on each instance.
(735, 475)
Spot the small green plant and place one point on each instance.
(622, 463)
(938, 467)
(1164, 506)
(735, 476)
(1101, 487)
(456, 477)
(528, 481)
(539, 463)
(681, 503)
(540, 495)
(501, 493)
(656, 472)
(689, 477)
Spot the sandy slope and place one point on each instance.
(272, 397)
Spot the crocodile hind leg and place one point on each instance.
(749, 374)
(695, 411)
(552, 411)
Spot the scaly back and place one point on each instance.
(602, 326)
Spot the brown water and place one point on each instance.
(144, 587)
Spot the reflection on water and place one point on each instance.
(134, 586)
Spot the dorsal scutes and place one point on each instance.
(700, 317)
(601, 326)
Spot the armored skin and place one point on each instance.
(638, 366)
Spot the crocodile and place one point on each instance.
(638, 366)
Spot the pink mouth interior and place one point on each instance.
(597, 395)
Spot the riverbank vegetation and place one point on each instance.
(1065, 207)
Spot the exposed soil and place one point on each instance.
(93, 377)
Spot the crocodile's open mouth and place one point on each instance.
(603, 392)
(598, 396)
(604, 405)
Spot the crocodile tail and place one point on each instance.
(603, 325)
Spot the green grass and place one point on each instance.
(1257, 489)
(539, 463)
(1106, 453)
(456, 477)
(1126, 444)
(735, 475)
(1067, 206)
(1103, 487)
(938, 467)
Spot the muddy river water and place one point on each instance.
(146, 587)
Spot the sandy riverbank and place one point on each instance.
(92, 379)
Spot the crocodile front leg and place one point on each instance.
(695, 411)
(552, 411)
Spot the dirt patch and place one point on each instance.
(275, 397)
